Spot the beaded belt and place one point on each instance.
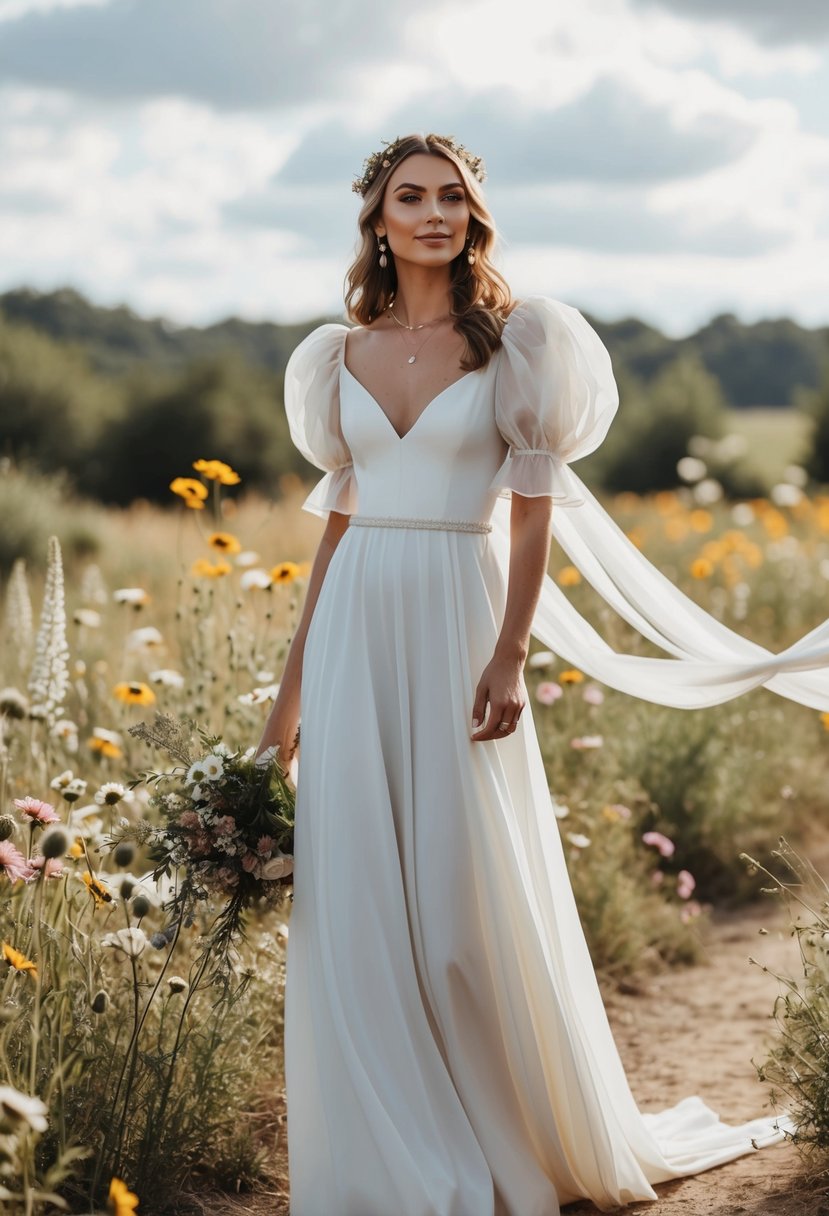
(442, 525)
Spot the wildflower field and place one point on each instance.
(136, 1075)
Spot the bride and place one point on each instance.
(447, 1052)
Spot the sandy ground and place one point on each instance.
(687, 1031)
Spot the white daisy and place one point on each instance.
(87, 617)
(131, 941)
(195, 773)
(110, 794)
(144, 639)
(167, 677)
(255, 578)
(213, 768)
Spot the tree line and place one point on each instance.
(122, 404)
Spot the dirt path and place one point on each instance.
(688, 1031)
(696, 1031)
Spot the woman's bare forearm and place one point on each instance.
(530, 530)
(285, 712)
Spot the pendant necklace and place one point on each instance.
(413, 357)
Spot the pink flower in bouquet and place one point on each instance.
(189, 819)
(14, 863)
(229, 877)
(277, 867)
(666, 847)
(548, 692)
(249, 862)
(36, 810)
(265, 845)
(685, 884)
(225, 825)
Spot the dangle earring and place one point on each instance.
(470, 257)
(384, 261)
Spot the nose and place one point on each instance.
(436, 217)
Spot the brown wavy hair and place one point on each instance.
(481, 298)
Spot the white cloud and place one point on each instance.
(644, 155)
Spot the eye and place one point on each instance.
(404, 198)
(454, 197)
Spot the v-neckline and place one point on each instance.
(401, 438)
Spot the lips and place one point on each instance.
(434, 236)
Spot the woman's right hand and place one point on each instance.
(282, 730)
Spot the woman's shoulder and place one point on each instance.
(322, 345)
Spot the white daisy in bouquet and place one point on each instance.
(227, 821)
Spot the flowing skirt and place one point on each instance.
(447, 1051)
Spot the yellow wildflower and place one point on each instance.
(76, 850)
(285, 572)
(701, 567)
(189, 488)
(217, 470)
(203, 568)
(122, 1201)
(19, 961)
(136, 693)
(110, 750)
(825, 720)
(667, 502)
(676, 528)
(569, 576)
(225, 542)
(571, 677)
(700, 520)
(97, 890)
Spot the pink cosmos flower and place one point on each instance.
(666, 847)
(657, 878)
(685, 883)
(14, 863)
(690, 911)
(593, 695)
(548, 692)
(619, 808)
(54, 866)
(39, 812)
(265, 845)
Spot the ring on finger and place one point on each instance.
(505, 725)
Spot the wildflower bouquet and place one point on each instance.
(226, 821)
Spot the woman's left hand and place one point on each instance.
(502, 688)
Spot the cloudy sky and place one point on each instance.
(193, 158)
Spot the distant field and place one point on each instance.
(776, 437)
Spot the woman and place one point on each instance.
(447, 1052)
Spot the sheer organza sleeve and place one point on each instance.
(555, 398)
(312, 405)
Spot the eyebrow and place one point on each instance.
(412, 186)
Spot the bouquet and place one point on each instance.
(227, 824)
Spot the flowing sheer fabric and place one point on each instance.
(447, 1051)
(556, 397)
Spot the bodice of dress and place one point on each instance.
(444, 465)
(546, 397)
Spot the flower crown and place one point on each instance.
(384, 159)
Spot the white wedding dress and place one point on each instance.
(447, 1051)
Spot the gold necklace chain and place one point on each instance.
(413, 357)
(403, 325)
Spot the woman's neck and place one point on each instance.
(421, 297)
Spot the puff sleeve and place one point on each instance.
(555, 398)
(312, 406)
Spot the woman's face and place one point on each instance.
(425, 214)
